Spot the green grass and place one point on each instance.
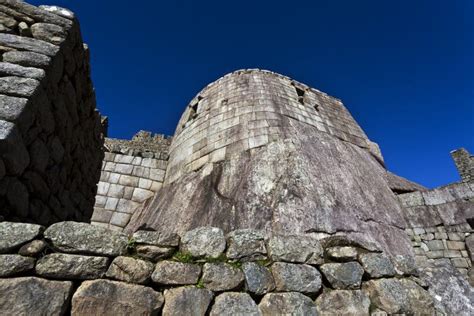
(183, 257)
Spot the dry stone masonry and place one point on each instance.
(50, 131)
(268, 200)
(85, 269)
(132, 172)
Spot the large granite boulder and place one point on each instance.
(266, 166)
(68, 266)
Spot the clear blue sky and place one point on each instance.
(405, 69)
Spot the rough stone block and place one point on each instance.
(11, 265)
(123, 168)
(104, 297)
(187, 301)
(67, 266)
(19, 296)
(290, 277)
(176, 273)
(130, 270)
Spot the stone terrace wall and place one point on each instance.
(440, 225)
(444, 243)
(50, 130)
(132, 172)
(84, 269)
(225, 118)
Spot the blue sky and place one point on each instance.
(404, 69)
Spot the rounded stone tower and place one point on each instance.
(256, 149)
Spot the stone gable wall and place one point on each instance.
(464, 163)
(132, 172)
(85, 269)
(50, 131)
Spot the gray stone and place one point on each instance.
(67, 266)
(246, 244)
(377, 265)
(17, 86)
(343, 303)
(14, 264)
(176, 273)
(470, 246)
(37, 14)
(234, 303)
(290, 277)
(298, 249)
(204, 242)
(7, 20)
(130, 270)
(29, 44)
(342, 253)
(8, 69)
(161, 239)
(452, 293)
(24, 29)
(34, 296)
(33, 248)
(153, 253)
(295, 304)
(27, 59)
(48, 32)
(258, 279)
(11, 108)
(435, 245)
(343, 275)
(189, 301)
(104, 297)
(73, 237)
(221, 277)
(13, 235)
(404, 265)
(396, 296)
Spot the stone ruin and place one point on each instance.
(268, 200)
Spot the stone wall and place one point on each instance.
(84, 269)
(444, 243)
(464, 163)
(242, 110)
(132, 172)
(50, 130)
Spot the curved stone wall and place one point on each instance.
(87, 269)
(248, 109)
(50, 131)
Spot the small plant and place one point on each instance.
(131, 245)
(264, 262)
(183, 257)
(200, 284)
(222, 258)
(235, 264)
